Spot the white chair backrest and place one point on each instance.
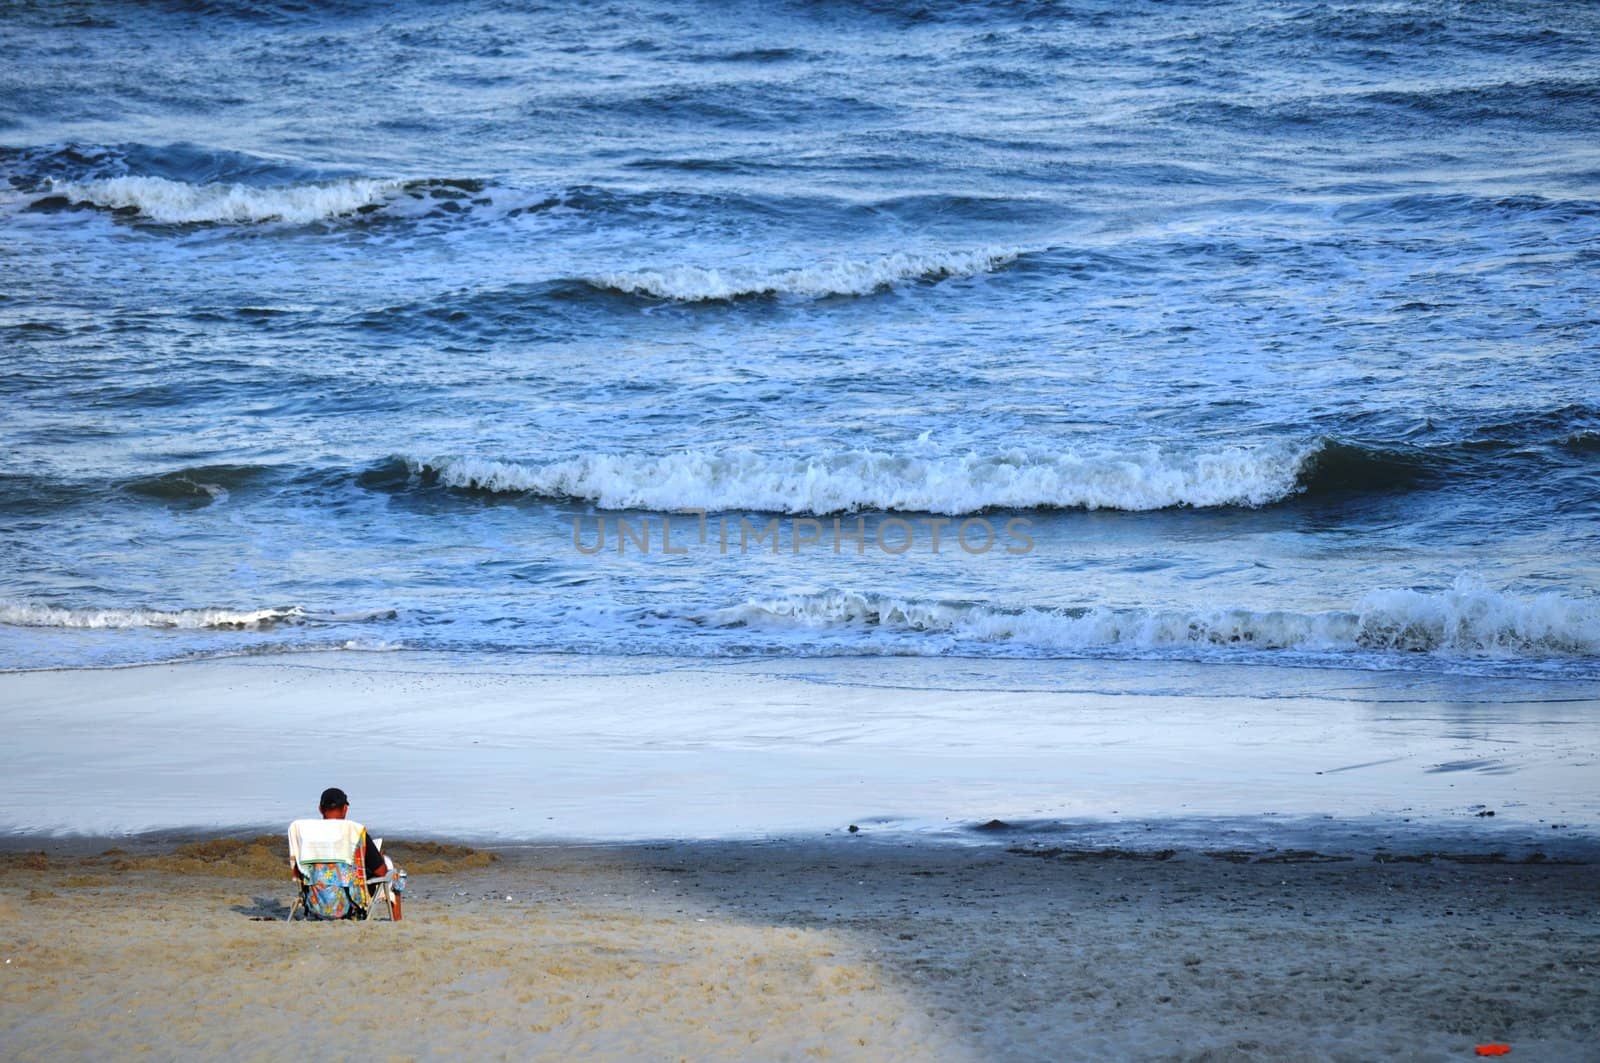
(324, 841)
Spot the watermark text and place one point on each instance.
(694, 530)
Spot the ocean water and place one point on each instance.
(1241, 333)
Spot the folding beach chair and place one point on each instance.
(327, 853)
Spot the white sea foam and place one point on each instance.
(23, 614)
(1468, 618)
(845, 481)
(178, 202)
(29, 614)
(859, 277)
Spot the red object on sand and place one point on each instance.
(1492, 1050)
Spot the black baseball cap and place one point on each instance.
(332, 797)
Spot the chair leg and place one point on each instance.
(380, 896)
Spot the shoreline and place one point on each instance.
(1238, 841)
(724, 950)
(617, 750)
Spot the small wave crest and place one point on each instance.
(200, 485)
(1583, 442)
(28, 614)
(1469, 618)
(691, 284)
(848, 481)
(169, 202)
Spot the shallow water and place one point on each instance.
(1092, 753)
(345, 327)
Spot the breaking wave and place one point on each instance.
(1469, 618)
(848, 481)
(25, 614)
(690, 284)
(170, 202)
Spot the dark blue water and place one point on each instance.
(1231, 332)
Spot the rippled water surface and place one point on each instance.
(1248, 332)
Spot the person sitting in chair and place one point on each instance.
(334, 804)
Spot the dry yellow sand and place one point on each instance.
(840, 949)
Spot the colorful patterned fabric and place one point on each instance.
(329, 889)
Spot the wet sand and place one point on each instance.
(626, 749)
(841, 948)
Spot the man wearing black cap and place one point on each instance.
(334, 805)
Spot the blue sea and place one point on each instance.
(1239, 333)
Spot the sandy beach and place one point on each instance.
(843, 949)
(1093, 867)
